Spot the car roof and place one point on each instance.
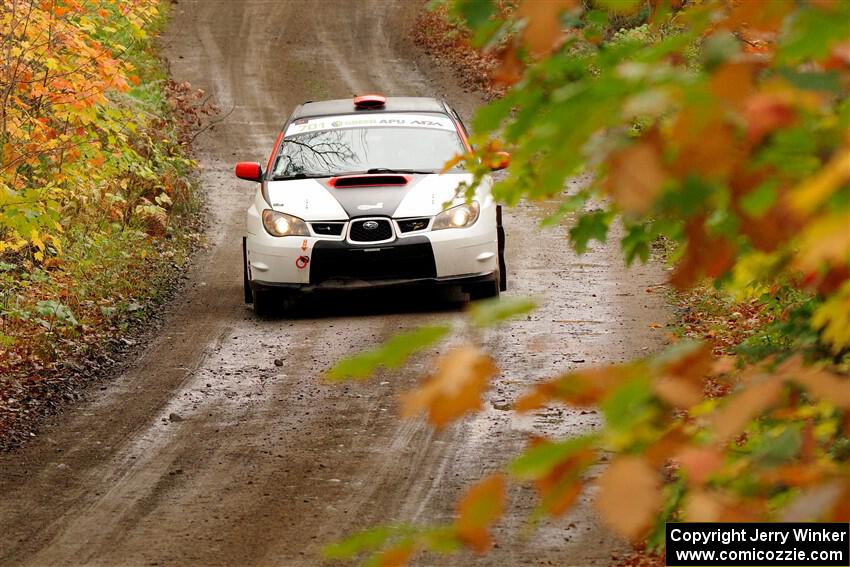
(346, 106)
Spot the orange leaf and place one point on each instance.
(456, 159)
(661, 450)
(762, 15)
(677, 392)
(456, 387)
(732, 82)
(635, 176)
(699, 463)
(818, 382)
(704, 255)
(707, 143)
(744, 406)
(510, 69)
(560, 489)
(397, 556)
(481, 506)
(765, 113)
(542, 31)
(583, 388)
(629, 496)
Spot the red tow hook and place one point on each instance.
(302, 261)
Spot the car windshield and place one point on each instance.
(349, 150)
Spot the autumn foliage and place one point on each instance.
(94, 182)
(720, 127)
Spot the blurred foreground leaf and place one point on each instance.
(492, 311)
(391, 354)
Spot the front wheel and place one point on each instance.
(246, 281)
(264, 303)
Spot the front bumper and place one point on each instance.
(454, 281)
(439, 257)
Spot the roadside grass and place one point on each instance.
(123, 244)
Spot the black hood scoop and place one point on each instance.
(371, 195)
(381, 180)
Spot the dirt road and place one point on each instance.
(205, 453)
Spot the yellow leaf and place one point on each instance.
(456, 159)
(832, 318)
(826, 240)
(36, 240)
(455, 388)
(809, 195)
(629, 496)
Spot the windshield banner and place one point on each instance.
(371, 121)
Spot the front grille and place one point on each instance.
(332, 261)
(328, 228)
(411, 225)
(371, 230)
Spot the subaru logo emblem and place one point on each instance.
(370, 225)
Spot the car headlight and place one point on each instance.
(460, 216)
(281, 224)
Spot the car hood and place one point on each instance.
(315, 199)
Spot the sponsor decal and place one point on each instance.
(385, 120)
(370, 207)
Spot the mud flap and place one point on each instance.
(246, 283)
(500, 231)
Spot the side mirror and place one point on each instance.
(500, 160)
(249, 170)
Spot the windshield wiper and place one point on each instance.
(302, 176)
(391, 170)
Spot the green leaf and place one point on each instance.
(56, 311)
(488, 117)
(591, 226)
(636, 243)
(776, 449)
(813, 32)
(475, 12)
(620, 6)
(813, 81)
(362, 541)
(570, 204)
(492, 311)
(392, 354)
(758, 201)
(720, 47)
(538, 461)
(628, 404)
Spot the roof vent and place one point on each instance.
(369, 101)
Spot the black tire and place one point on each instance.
(246, 283)
(265, 303)
(500, 232)
(486, 290)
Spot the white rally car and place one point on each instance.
(353, 196)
